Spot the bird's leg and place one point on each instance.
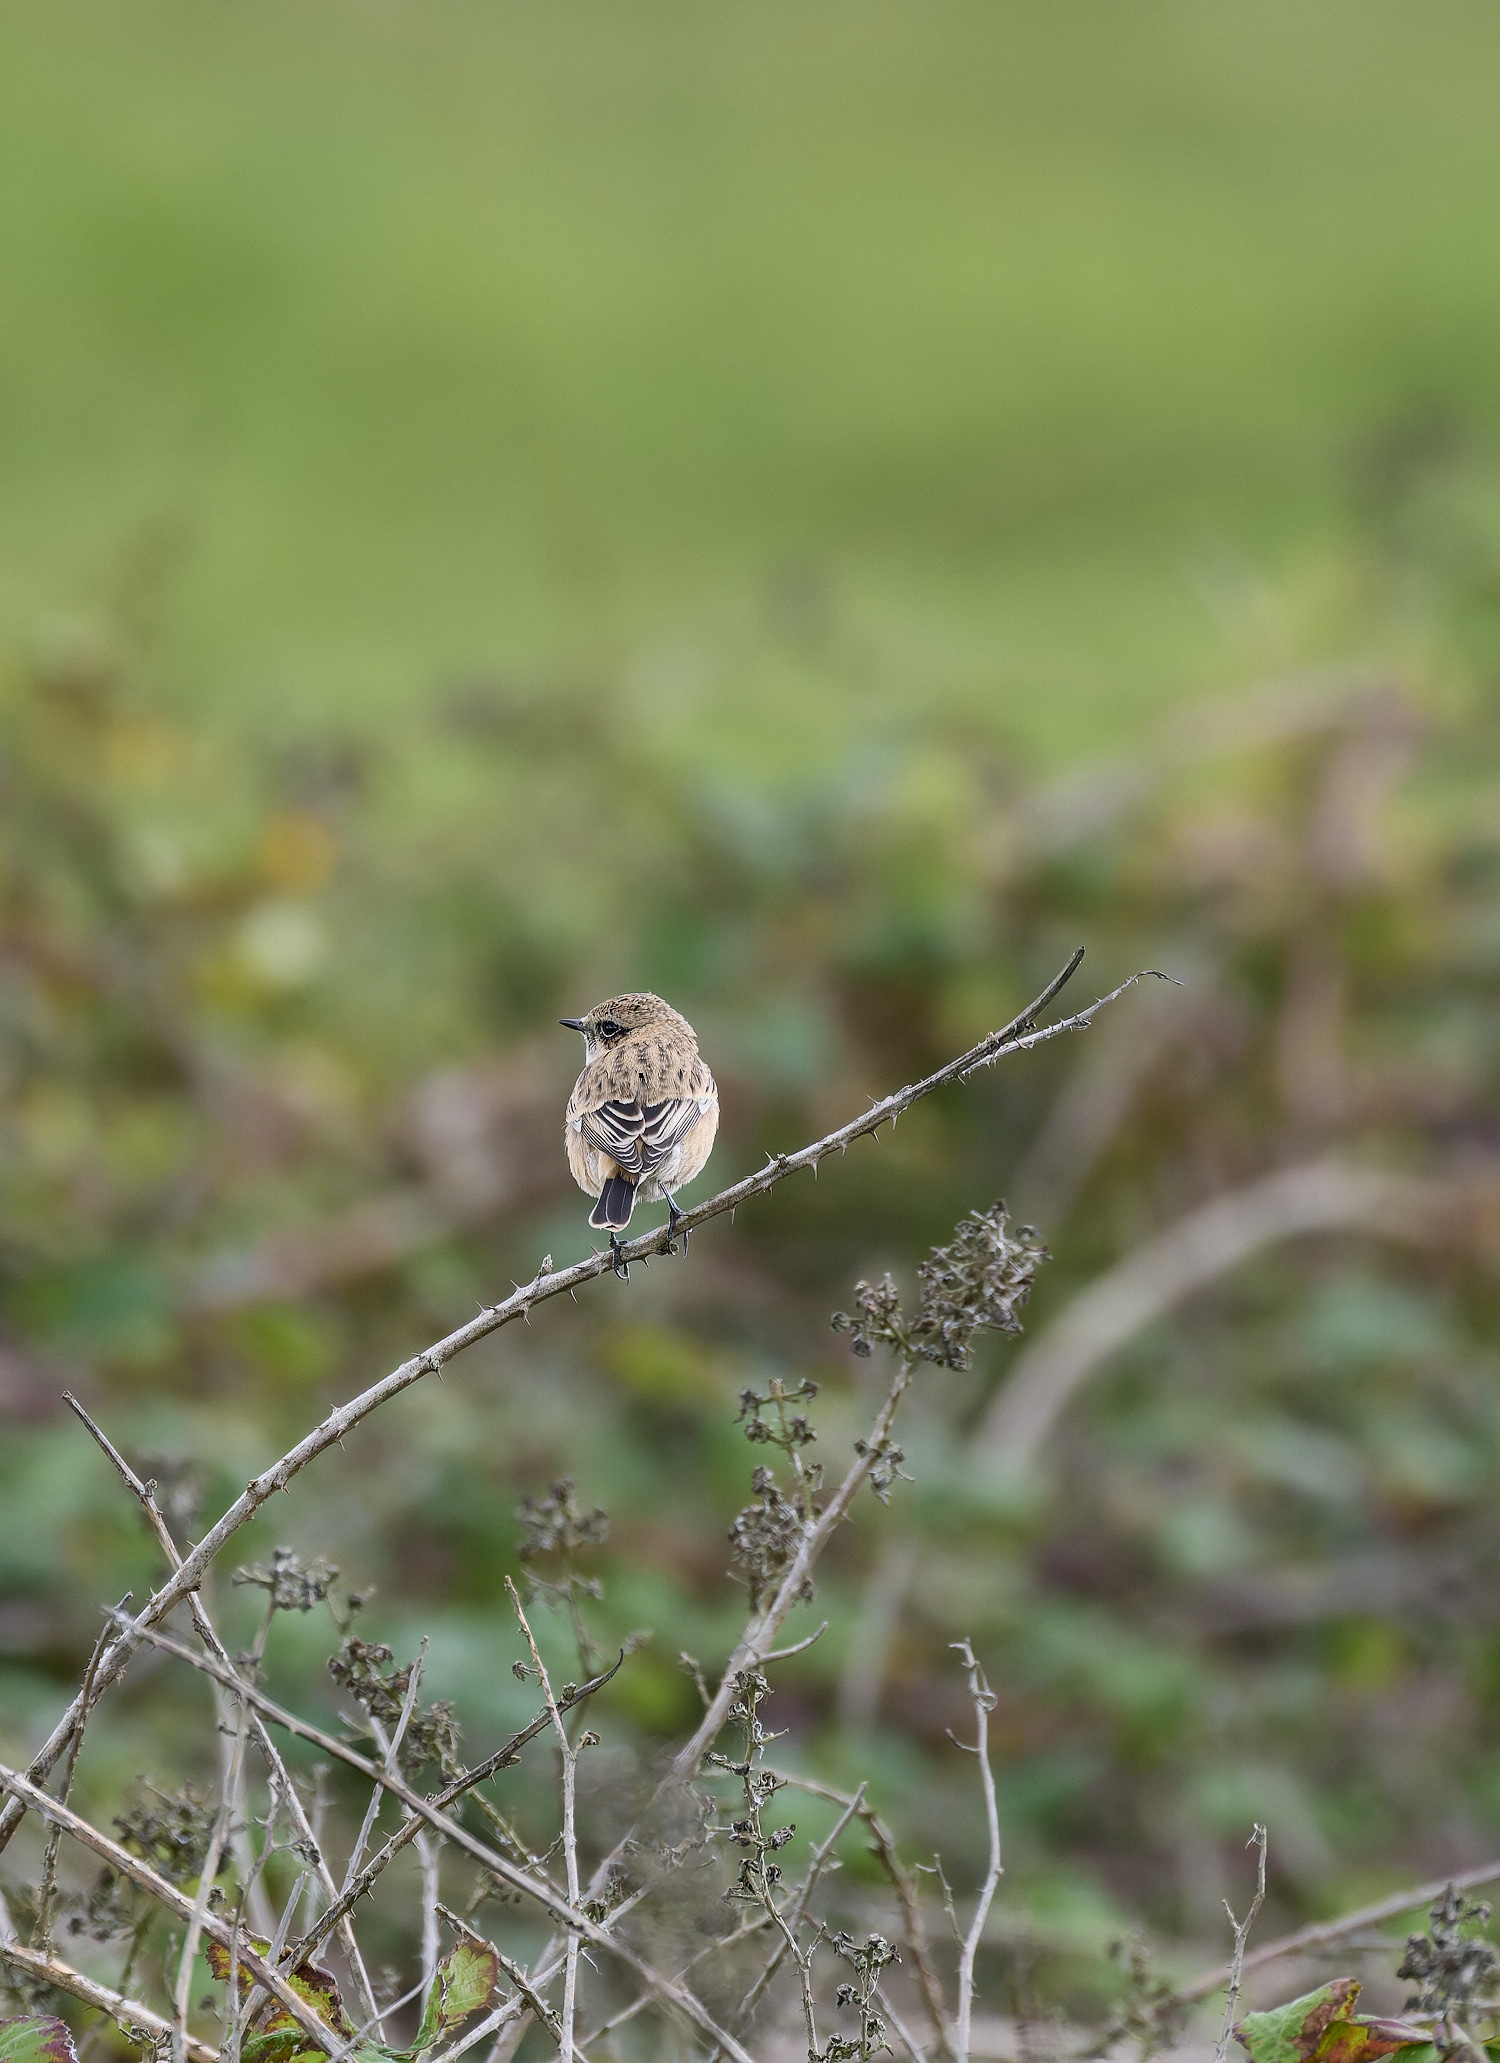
(674, 1219)
(621, 1268)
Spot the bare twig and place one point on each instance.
(41, 1936)
(1242, 1928)
(1020, 1035)
(207, 1876)
(126, 2013)
(983, 1700)
(797, 1647)
(569, 1755)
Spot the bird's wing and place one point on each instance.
(615, 1128)
(667, 1124)
(639, 1136)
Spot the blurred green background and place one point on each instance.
(422, 340)
(499, 505)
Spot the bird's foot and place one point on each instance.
(621, 1268)
(674, 1219)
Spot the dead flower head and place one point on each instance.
(979, 1282)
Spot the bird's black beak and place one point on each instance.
(573, 1023)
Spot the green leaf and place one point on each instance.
(38, 2038)
(464, 1982)
(1322, 2028)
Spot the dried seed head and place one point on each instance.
(555, 1524)
(292, 1584)
(1456, 1970)
(764, 1538)
(170, 1830)
(979, 1282)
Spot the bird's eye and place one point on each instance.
(608, 1030)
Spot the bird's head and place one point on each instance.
(611, 1023)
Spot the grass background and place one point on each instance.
(417, 340)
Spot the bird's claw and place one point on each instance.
(621, 1268)
(674, 1219)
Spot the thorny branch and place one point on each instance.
(167, 1894)
(1021, 1034)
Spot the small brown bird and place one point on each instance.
(642, 1116)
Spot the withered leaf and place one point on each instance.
(36, 2038)
(1322, 2027)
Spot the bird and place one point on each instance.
(643, 1114)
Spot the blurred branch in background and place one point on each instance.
(1322, 1197)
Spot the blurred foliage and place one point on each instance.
(1039, 343)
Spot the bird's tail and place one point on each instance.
(616, 1201)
